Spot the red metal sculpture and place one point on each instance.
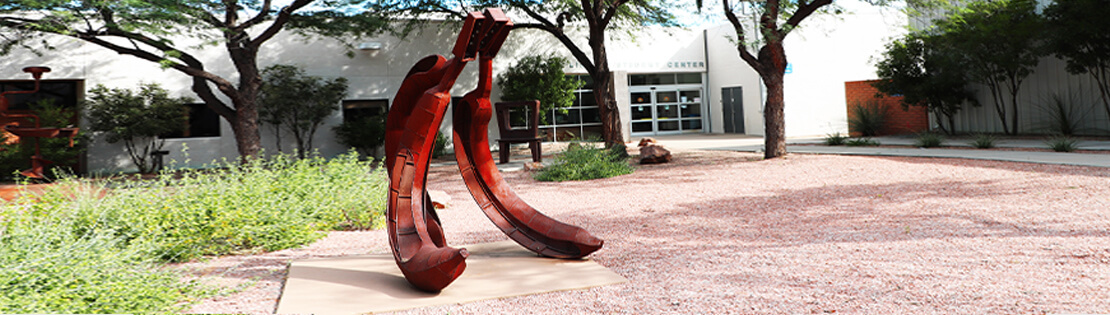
(415, 234)
(38, 163)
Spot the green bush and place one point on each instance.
(835, 139)
(85, 246)
(861, 142)
(49, 270)
(983, 141)
(584, 162)
(364, 134)
(1063, 144)
(440, 147)
(929, 140)
(867, 118)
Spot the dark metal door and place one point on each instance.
(732, 104)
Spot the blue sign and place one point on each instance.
(789, 68)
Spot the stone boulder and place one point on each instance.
(654, 154)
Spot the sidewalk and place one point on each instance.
(962, 148)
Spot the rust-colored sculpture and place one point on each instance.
(415, 234)
(38, 163)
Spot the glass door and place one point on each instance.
(666, 111)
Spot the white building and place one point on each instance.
(667, 81)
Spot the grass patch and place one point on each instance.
(929, 140)
(984, 141)
(861, 142)
(835, 139)
(1062, 144)
(97, 246)
(585, 161)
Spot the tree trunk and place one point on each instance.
(773, 57)
(248, 138)
(611, 124)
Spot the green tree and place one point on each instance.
(147, 30)
(297, 103)
(999, 41)
(927, 72)
(1076, 32)
(136, 119)
(774, 20)
(539, 78)
(555, 18)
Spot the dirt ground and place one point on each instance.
(718, 232)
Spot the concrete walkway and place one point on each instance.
(956, 148)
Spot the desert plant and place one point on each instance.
(1062, 143)
(136, 119)
(1064, 115)
(929, 140)
(861, 142)
(835, 139)
(867, 118)
(585, 161)
(297, 103)
(983, 141)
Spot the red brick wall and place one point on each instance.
(900, 121)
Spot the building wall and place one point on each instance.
(825, 52)
(1036, 103)
(900, 120)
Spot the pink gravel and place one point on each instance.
(724, 232)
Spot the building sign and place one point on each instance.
(650, 66)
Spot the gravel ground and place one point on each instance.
(724, 232)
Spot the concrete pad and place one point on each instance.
(373, 283)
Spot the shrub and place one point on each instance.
(292, 101)
(835, 139)
(268, 204)
(440, 147)
(1062, 144)
(49, 270)
(364, 134)
(861, 142)
(983, 141)
(584, 162)
(867, 118)
(929, 140)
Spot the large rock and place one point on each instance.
(653, 154)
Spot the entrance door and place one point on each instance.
(668, 110)
(732, 104)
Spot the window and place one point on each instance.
(358, 109)
(200, 122)
(63, 92)
(664, 79)
(582, 120)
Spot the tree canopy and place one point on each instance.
(297, 103)
(1077, 33)
(539, 78)
(926, 71)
